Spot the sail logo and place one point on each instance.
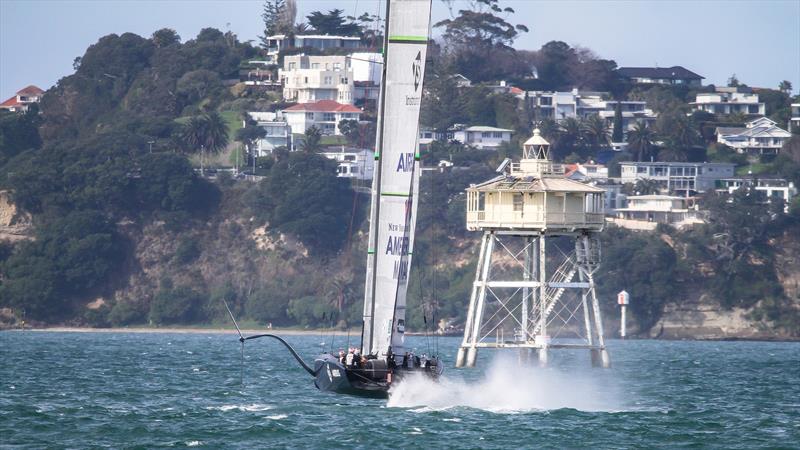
(405, 163)
(397, 245)
(400, 270)
(416, 69)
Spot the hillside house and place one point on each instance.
(582, 104)
(726, 101)
(679, 177)
(323, 114)
(768, 187)
(280, 42)
(22, 99)
(482, 137)
(645, 212)
(661, 75)
(794, 121)
(760, 136)
(278, 132)
(353, 163)
(308, 79)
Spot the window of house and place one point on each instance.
(328, 80)
(315, 65)
(641, 169)
(344, 80)
(518, 199)
(486, 134)
(497, 134)
(306, 80)
(354, 169)
(546, 101)
(328, 117)
(292, 66)
(349, 157)
(337, 66)
(752, 109)
(310, 115)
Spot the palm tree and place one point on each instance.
(311, 139)
(570, 137)
(206, 132)
(595, 131)
(640, 140)
(216, 136)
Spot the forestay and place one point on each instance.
(395, 184)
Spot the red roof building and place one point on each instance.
(23, 98)
(324, 114)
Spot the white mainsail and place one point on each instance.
(396, 180)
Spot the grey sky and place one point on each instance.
(759, 41)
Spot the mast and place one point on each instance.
(393, 202)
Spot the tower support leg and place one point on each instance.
(605, 359)
(468, 352)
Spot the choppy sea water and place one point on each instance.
(126, 390)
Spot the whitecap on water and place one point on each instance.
(193, 443)
(507, 388)
(277, 417)
(249, 408)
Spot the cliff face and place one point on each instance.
(14, 224)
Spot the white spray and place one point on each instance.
(508, 388)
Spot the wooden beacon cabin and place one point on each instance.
(534, 195)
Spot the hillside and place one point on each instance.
(99, 230)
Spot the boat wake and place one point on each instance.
(507, 388)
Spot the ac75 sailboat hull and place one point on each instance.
(374, 379)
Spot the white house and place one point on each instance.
(582, 104)
(353, 163)
(684, 177)
(645, 212)
(308, 78)
(794, 122)
(481, 137)
(367, 71)
(280, 42)
(278, 133)
(771, 188)
(586, 172)
(22, 99)
(324, 114)
(661, 75)
(728, 100)
(760, 136)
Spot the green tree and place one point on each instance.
(278, 17)
(164, 37)
(333, 23)
(304, 197)
(311, 140)
(785, 86)
(617, 135)
(249, 135)
(595, 131)
(640, 140)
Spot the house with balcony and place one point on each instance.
(586, 172)
(645, 212)
(729, 100)
(794, 121)
(281, 42)
(308, 79)
(769, 188)
(686, 178)
(323, 114)
(760, 136)
(22, 99)
(482, 137)
(675, 75)
(582, 104)
(278, 132)
(353, 162)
